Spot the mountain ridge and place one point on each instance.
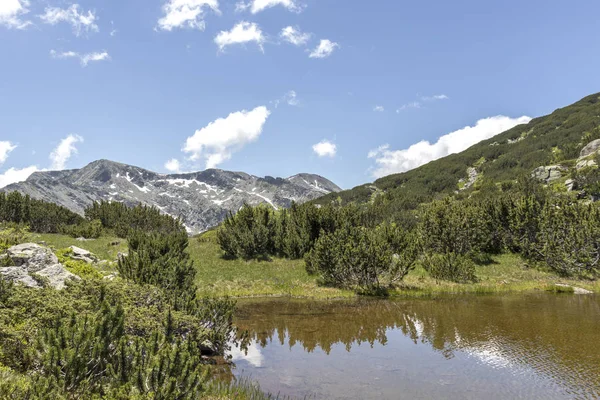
(202, 199)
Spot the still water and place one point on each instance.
(538, 346)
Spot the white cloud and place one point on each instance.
(84, 59)
(434, 97)
(80, 21)
(422, 99)
(324, 49)
(252, 354)
(244, 32)
(379, 108)
(325, 149)
(5, 148)
(218, 140)
(291, 98)
(11, 12)
(65, 149)
(394, 161)
(14, 175)
(173, 165)
(294, 36)
(257, 6)
(186, 14)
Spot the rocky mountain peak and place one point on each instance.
(202, 199)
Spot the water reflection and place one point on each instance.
(534, 346)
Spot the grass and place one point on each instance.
(507, 273)
(238, 278)
(218, 277)
(102, 247)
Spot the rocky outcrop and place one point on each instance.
(28, 261)
(576, 290)
(202, 199)
(591, 148)
(82, 255)
(549, 173)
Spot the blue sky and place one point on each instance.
(277, 87)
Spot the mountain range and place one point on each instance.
(201, 199)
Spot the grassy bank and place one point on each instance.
(280, 277)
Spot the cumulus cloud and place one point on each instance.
(84, 59)
(65, 149)
(11, 12)
(216, 142)
(294, 36)
(422, 99)
(186, 14)
(325, 149)
(379, 108)
(5, 148)
(394, 161)
(80, 21)
(324, 49)
(256, 6)
(252, 354)
(14, 175)
(173, 165)
(243, 32)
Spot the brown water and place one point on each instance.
(481, 347)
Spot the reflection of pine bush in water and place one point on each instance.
(520, 330)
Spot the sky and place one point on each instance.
(351, 90)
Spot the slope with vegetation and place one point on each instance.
(521, 200)
(144, 334)
(556, 139)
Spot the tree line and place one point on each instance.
(354, 247)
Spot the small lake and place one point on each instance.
(537, 346)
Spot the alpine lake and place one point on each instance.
(525, 346)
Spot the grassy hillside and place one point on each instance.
(553, 139)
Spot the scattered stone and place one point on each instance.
(115, 243)
(82, 255)
(576, 290)
(111, 277)
(585, 163)
(570, 184)
(41, 243)
(472, 178)
(591, 148)
(82, 239)
(548, 173)
(31, 258)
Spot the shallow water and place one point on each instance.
(477, 347)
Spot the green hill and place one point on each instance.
(555, 139)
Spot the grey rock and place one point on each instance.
(19, 275)
(203, 199)
(576, 290)
(570, 184)
(31, 258)
(583, 163)
(548, 173)
(57, 275)
(82, 255)
(591, 148)
(472, 178)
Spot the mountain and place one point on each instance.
(201, 199)
(552, 146)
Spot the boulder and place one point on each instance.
(583, 163)
(82, 255)
(31, 258)
(548, 173)
(591, 148)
